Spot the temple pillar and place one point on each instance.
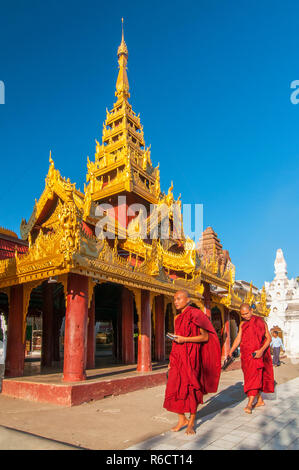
(48, 325)
(207, 299)
(90, 356)
(226, 334)
(75, 339)
(15, 351)
(159, 328)
(127, 318)
(144, 338)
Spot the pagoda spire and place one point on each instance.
(122, 83)
(122, 162)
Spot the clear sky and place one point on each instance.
(211, 81)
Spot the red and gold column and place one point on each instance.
(144, 339)
(127, 319)
(75, 339)
(15, 352)
(159, 328)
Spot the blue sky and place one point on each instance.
(211, 81)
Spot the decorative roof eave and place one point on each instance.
(178, 262)
(102, 270)
(54, 184)
(94, 260)
(15, 274)
(233, 302)
(50, 253)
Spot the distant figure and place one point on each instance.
(256, 362)
(195, 364)
(276, 344)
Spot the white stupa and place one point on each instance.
(283, 297)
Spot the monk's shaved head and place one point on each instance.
(245, 306)
(185, 292)
(245, 311)
(181, 299)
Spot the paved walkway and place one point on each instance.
(123, 421)
(272, 427)
(11, 439)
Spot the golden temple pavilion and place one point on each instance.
(61, 269)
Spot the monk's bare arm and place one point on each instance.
(267, 342)
(237, 341)
(202, 338)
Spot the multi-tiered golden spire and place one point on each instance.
(122, 163)
(122, 83)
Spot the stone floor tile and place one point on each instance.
(273, 446)
(233, 438)
(146, 445)
(280, 441)
(261, 420)
(222, 444)
(211, 447)
(242, 433)
(294, 445)
(286, 436)
(226, 428)
(172, 441)
(201, 441)
(284, 420)
(243, 446)
(163, 447)
(192, 446)
(244, 418)
(250, 428)
(182, 436)
(253, 442)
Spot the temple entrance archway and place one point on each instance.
(44, 334)
(107, 321)
(34, 327)
(116, 324)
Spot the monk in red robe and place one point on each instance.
(195, 362)
(256, 362)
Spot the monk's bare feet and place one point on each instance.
(181, 423)
(248, 409)
(190, 430)
(259, 403)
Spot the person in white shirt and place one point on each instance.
(276, 344)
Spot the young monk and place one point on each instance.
(256, 362)
(195, 362)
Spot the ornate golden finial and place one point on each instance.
(122, 84)
(51, 161)
(123, 47)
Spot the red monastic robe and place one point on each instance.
(258, 373)
(194, 367)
